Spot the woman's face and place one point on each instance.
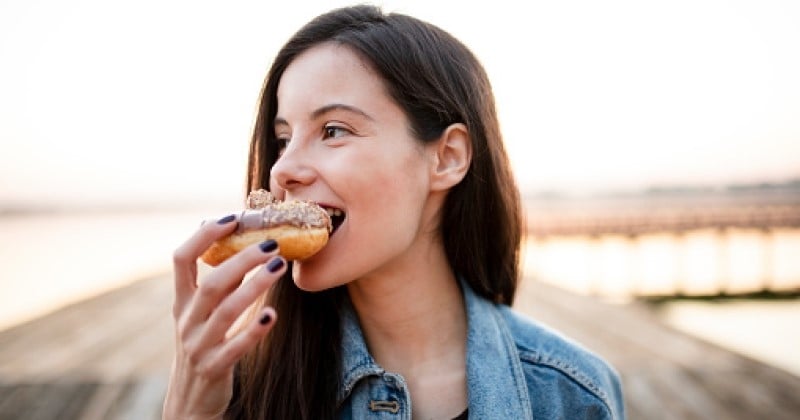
(348, 147)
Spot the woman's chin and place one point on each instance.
(309, 281)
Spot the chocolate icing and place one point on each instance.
(264, 211)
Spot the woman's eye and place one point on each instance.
(332, 132)
(282, 143)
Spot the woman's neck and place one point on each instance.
(414, 324)
(413, 316)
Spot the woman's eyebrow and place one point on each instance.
(340, 107)
(328, 108)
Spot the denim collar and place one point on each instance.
(357, 363)
(495, 380)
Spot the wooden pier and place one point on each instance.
(108, 358)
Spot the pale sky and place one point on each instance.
(143, 100)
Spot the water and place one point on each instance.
(766, 330)
(51, 260)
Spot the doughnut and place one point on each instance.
(301, 228)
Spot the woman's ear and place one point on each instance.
(452, 157)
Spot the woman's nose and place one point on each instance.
(293, 169)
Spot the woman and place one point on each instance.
(392, 121)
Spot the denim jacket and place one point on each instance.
(516, 369)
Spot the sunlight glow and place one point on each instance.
(152, 101)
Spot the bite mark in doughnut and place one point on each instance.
(301, 228)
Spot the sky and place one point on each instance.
(153, 101)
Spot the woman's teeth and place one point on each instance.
(337, 217)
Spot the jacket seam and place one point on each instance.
(359, 371)
(574, 375)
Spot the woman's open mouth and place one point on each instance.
(337, 217)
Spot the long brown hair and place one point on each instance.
(437, 81)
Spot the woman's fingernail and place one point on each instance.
(265, 319)
(227, 219)
(268, 246)
(275, 264)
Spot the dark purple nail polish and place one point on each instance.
(268, 246)
(265, 319)
(275, 264)
(227, 219)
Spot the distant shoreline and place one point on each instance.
(790, 188)
(38, 209)
(671, 199)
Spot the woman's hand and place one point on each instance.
(201, 382)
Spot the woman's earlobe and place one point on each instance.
(453, 157)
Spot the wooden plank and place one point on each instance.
(642, 399)
(102, 401)
(78, 338)
(44, 401)
(143, 401)
(686, 398)
(666, 374)
(15, 399)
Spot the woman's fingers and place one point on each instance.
(205, 311)
(226, 278)
(222, 359)
(213, 353)
(232, 306)
(185, 258)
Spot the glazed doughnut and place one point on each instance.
(301, 228)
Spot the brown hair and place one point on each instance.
(437, 81)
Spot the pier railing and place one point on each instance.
(673, 220)
(666, 246)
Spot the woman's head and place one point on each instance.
(434, 83)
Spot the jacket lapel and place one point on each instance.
(495, 380)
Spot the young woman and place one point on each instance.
(405, 312)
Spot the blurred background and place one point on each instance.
(656, 144)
